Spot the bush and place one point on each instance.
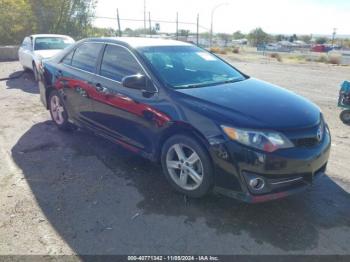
(277, 56)
(322, 59)
(222, 52)
(334, 60)
(218, 50)
(297, 57)
(235, 50)
(215, 50)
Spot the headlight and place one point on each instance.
(262, 140)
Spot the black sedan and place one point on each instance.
(208, 124)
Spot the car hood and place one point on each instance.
(253, 103)
(46, 53)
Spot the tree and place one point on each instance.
(128, 32)
(258, 37)
(71, 17)
(279, 38)
(321, 40)
(183, 32)
(238, 35)
(101, 32)
(346, 43)
(305, 38)
(16, 21)
(204, 35)
(19, 18)
(225, 37)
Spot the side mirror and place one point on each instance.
(139, 82)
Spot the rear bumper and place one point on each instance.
(284, 172)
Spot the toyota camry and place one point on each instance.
(208, 124)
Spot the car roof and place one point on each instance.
(136, 42)
(49, 35)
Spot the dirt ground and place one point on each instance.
(74, 193)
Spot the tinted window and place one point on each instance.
(117, 63)
(68, 58)
(189, 66)
(26, 43)
(85, 56)
(52, 43)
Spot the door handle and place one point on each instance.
(81, 91)
(101, 89)
(59, 74)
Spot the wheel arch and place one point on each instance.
(180, 128)
(48, 90)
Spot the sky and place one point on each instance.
(274, 16)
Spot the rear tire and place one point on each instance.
(345, 117)
(187, 166)
(58, 111)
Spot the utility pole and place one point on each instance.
(333, 36)
(119, 30)
(177, 25)
(144, 15)
(212, 21)
(197, 35)
(150, 25)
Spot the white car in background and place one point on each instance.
(42, 46)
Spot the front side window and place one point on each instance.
(52, 43)
(26, 43)
(117, 63)
(67, 60)
(85, 56)
(189, 66)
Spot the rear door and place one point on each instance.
(75, 74)
(120, 112)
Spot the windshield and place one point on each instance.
(189, 66)
(50, 43)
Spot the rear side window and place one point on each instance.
(85, 56)
(118, 62)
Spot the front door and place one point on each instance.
(124, 113)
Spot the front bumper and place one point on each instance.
(284, 172)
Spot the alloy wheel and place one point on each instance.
(184, 166)
(57, 110)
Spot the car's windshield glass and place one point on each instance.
(189, 66)
(50, 43)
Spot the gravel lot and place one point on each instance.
(74, 193)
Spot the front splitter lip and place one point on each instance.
(253, 199)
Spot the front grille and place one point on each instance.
(314, 137)
(306, 142)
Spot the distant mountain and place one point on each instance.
(330, 36)
(341, 36)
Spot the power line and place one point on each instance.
(157, 21)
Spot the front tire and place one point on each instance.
(35, 73)
(187, 166)
(58, 111)
(345, 117)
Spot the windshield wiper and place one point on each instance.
(210, 83)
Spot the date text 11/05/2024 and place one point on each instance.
(173, 258)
